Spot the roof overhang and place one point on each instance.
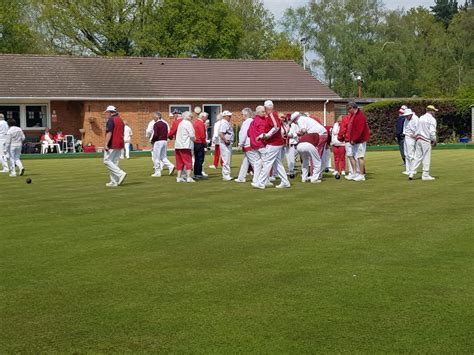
(85, 98)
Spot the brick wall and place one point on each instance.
(70, 116)
(89, 115)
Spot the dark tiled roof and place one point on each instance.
(65, 77)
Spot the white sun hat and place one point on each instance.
(111, 109)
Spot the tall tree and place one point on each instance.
(16, 33)
(205, 28)
(258, 28)
(444, 10)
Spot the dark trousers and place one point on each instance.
(199, 154)
(401, 146)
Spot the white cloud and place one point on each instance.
(278, 7)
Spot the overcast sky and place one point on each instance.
(279, 6)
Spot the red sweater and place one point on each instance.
(274, 122)
(174, 128)
(358, 129)
(342, 135)
(200, 131)
(256, 128)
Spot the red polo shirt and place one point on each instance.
(200, 131)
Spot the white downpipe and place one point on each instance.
(325, 111)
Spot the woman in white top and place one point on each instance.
(13, 144)
(183, 146)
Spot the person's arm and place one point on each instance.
(222, 132)
(433, 131)
(192, 133)
(108, 135)
(274, 128)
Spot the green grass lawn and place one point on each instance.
(213, 267)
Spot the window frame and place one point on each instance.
(181, 105)
(23, 118)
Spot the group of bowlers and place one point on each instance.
(265, 138)
(416, 135)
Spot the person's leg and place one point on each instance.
(225, 152)
(3, 156)
(217, 154)
(303, 152)
(291, 159)
(163, 155)
(111, 163)
(401, 147)
(244, 167)
(18, 162)
(255, 161)
(280, 168)
(179, 164)
(187, 157)
(317, 164)
(156, 159)
(269, 157)
(410, 145)
(426, 158)
(197, 171)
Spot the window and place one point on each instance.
(36, 116)
(27, 116)
(180, 108)
(11, 111)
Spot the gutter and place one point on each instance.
(179, 99)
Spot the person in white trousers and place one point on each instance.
(113, 147)
(149, 135)
(258, 148)
(307, 147)
(215, 142)
(14, 143)
(159, 139)
(409, 131)
(3, 137)
(274, 151)
(127, 139)
(425, 137)
(244, 144)
(226, 138)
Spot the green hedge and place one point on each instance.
(454, 118)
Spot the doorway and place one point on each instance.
(212, 110)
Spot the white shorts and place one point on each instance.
(359, 150)
(349, 152)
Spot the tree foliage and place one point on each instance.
(16, 33)
(397, 53)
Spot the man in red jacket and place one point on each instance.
(113, 147)
(273, 155)
(358, 134)
(199, 125)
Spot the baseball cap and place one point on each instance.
(111, 109)
(432, 108)
(226, 113)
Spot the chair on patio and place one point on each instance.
(69, 144)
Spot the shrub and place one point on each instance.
(453, 118)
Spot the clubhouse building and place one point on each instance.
(70, 93)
